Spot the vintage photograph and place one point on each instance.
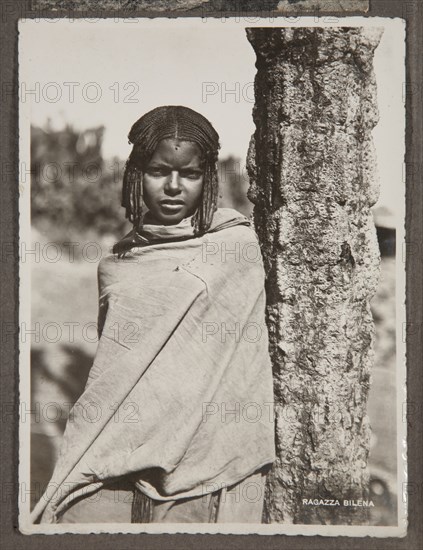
(212, 298)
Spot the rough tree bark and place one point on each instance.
(313, 181)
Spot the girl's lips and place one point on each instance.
(171, 206)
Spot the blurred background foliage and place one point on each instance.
(73, 189)
(75, 198)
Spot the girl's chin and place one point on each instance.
(165, 220)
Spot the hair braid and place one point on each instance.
(146, 133)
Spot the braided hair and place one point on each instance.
(175, 122)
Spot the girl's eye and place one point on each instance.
(191, 175)
(156, 172)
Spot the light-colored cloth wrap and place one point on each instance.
(180, 393)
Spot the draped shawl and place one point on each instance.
(180, 392)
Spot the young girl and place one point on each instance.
(175, 423)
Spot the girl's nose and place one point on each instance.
(172, 183)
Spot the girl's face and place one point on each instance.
(173, 181)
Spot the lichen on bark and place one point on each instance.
(313, 181)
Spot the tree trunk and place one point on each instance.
(313, 180)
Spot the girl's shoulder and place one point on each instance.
(231, 250)
(230, 221)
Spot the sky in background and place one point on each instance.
(109, 73)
